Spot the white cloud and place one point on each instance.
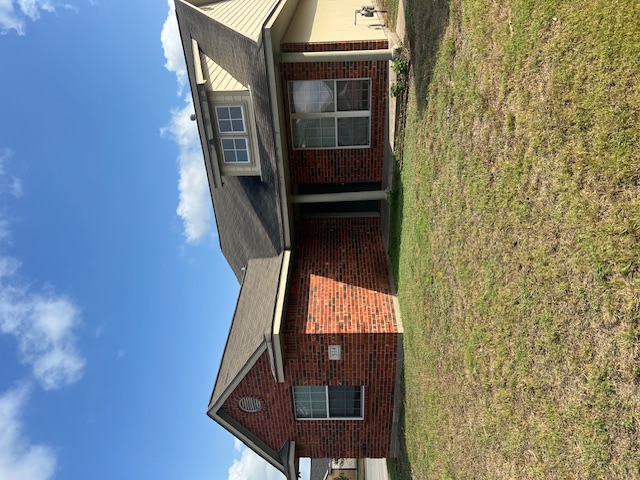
(172, 46)
(10, 19)
(251, 465)
(194, 206)
(19, 459)
(42, 323)
(9, 266)
(237, 445)
(15, 187)
(32, 8)
(14, 12)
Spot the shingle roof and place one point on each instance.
(247, 209)
(319, 468)
(252, 320)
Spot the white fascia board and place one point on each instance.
(363, 195)
(208, 129)
(197, 63)
(250, 440)
(293, 468)
(278, 317)
(339, 56)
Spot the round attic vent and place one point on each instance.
(250, 404)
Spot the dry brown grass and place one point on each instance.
(518, 240)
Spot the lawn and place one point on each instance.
(516, 240)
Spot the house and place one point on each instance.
(291, 103)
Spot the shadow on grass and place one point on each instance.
(400, 468)
(426, 23)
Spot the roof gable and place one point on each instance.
(247, 209)
(251, 326)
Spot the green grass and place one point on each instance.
(516, 240)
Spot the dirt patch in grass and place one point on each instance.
(517, 240)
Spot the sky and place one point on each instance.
(115, 301)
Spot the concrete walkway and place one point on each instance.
(375, 469)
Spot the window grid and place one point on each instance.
(230, 119)
(232, 134)
(329, 114)
(235, 150)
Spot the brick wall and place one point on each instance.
(340, 165)
(335, 46)
(339, 295)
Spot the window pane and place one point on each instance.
(310, 402)
(353, 131)
(242, 156)
(313, 133)
(353, 95)
(224, 125)
(345, 402)
(230, 156)
(235, 112)
(311, 96)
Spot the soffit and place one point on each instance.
(244, 16)
(217, 78)
(333, 21)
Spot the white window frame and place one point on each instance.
(247, 149)
(328, 409)
(244, 119)
(334, 115)
(233, 135)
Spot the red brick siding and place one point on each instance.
(343, 263)
(339, 272)
(335, 46)
(340, 165)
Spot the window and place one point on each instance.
(230, 119)
(235, 150)
(231, 122)
(330, 113)
(322, 402)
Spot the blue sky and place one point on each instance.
(115, 300)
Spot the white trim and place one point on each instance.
(363, 195)
(235, 150)
(279, 314)
(231, 105)
(292, 459)
(249, 442)
(197, 63)
(339, 56)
